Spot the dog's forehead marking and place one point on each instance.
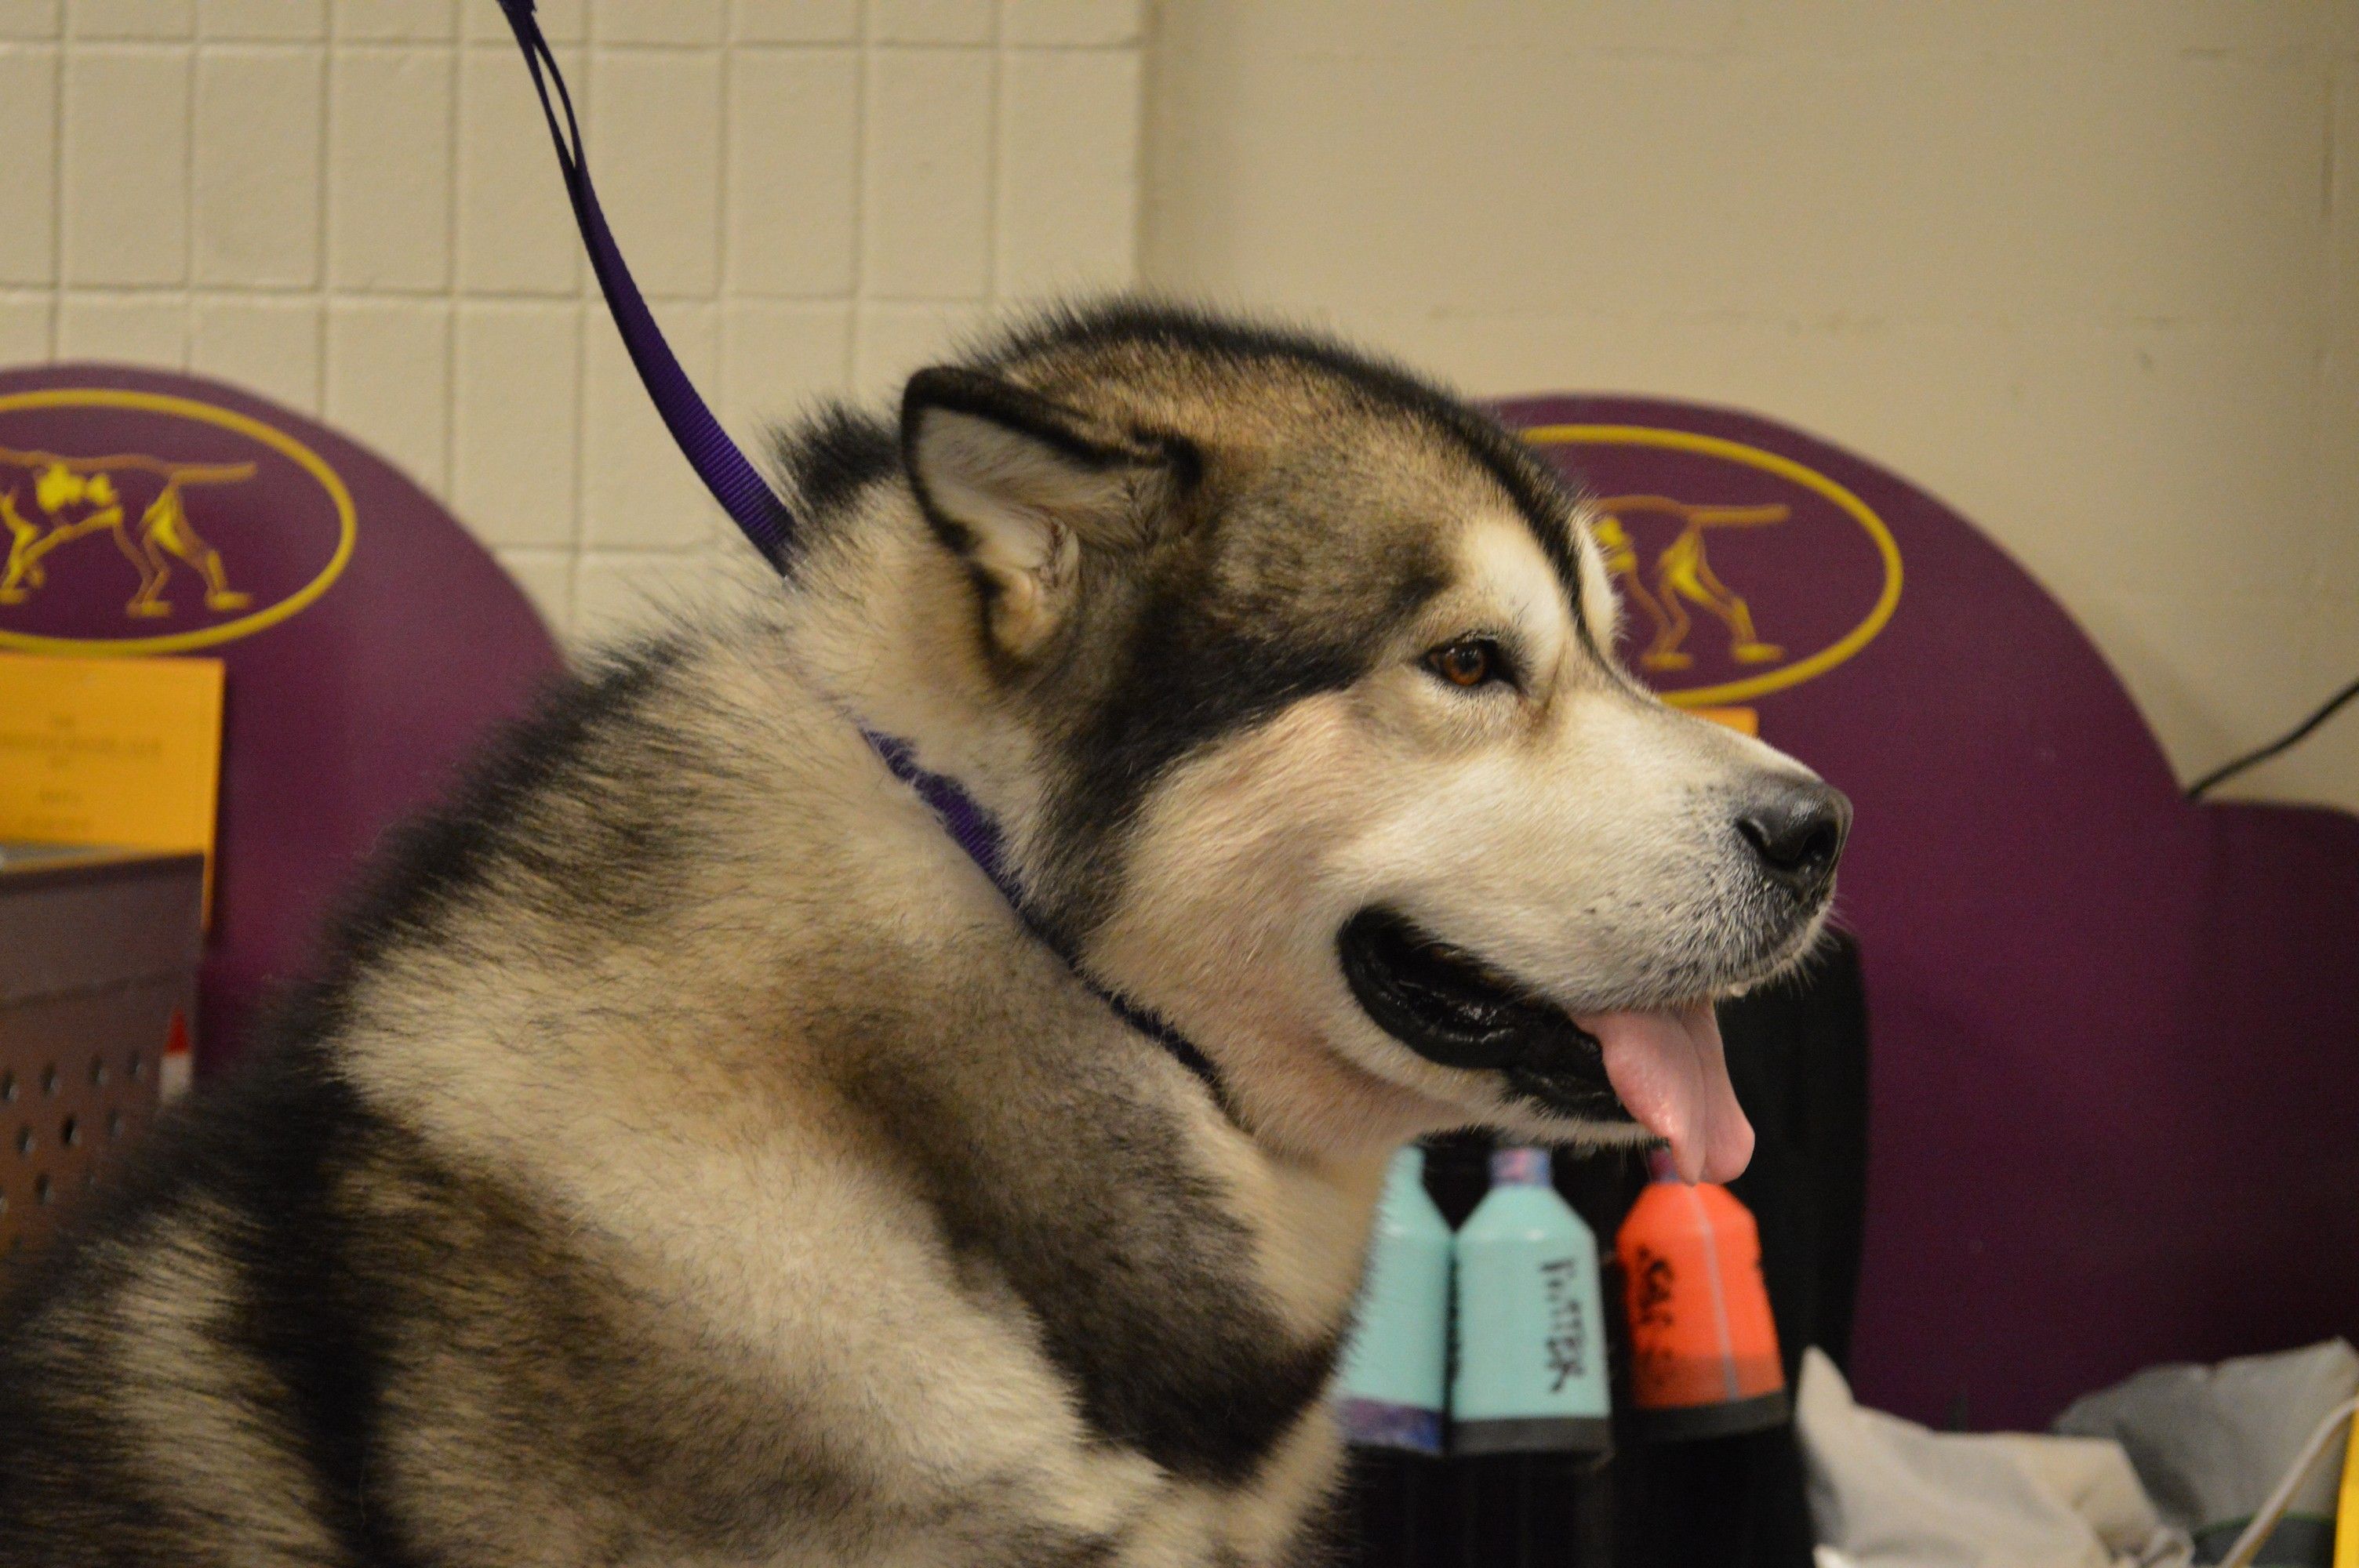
(1506, 562)
(1601, 610)
(1546, 521)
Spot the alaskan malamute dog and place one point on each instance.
(685, 1155)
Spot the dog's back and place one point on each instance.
(190, 1367)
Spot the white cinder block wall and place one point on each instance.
(2087, 269)
(351, 207)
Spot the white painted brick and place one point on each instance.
(657, 21)
(794, 21)
(639, 491)
(2335, 566)
(2204, 713)
(515, 228)
(2331, 656)
(793, 186)
(2322, 768)
(1072, 22)
(256, 176)
(929, 21)
(516, 426)
(389, 381)
(2342, 204)
(926, 200)
(405, 21)
(779, 359)
(562, 22)
(547, 579)
(389, 169)
(29, 174)
(1068, 171)
(130, 18)
(890, 340)
(655, 148)
(2198, 425)
(1968, 181)
(136, 329)
(125, 170)
(386, 371)
(2160, 32)
(2269, 660)
(262, 21)
(271, 346)
(27, 323)
(30, 19)
(1313, 37)
(616, 592)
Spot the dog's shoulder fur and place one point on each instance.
(650, 1177)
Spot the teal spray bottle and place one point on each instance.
(1395, 1376)
(1530, 1412)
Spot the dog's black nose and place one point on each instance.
(1797, 831)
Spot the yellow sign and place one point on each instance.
(111, 752)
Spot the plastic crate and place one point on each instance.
(98, 975)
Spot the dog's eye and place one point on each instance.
(1469, 662)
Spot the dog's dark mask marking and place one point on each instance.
(1185, 676)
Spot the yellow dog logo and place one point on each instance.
(1683, 576)
(74, 498)
(1828, 599)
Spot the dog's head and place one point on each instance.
(1334, 763)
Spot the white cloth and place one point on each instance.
(2211, 1442)
(1886, 1493)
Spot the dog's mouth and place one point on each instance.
(1661, 1067)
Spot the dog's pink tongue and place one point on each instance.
(1671, 1075)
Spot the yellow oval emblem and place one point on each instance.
(184, 524)
(1706, 642)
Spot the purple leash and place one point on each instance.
(741, 492)
(762, 515)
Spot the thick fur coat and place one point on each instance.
(683, 1154)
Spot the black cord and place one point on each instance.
(2293, 737)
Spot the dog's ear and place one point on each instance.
(1020, 486)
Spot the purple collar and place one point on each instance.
(759, 510)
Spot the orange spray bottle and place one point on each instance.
(1704, 1346)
